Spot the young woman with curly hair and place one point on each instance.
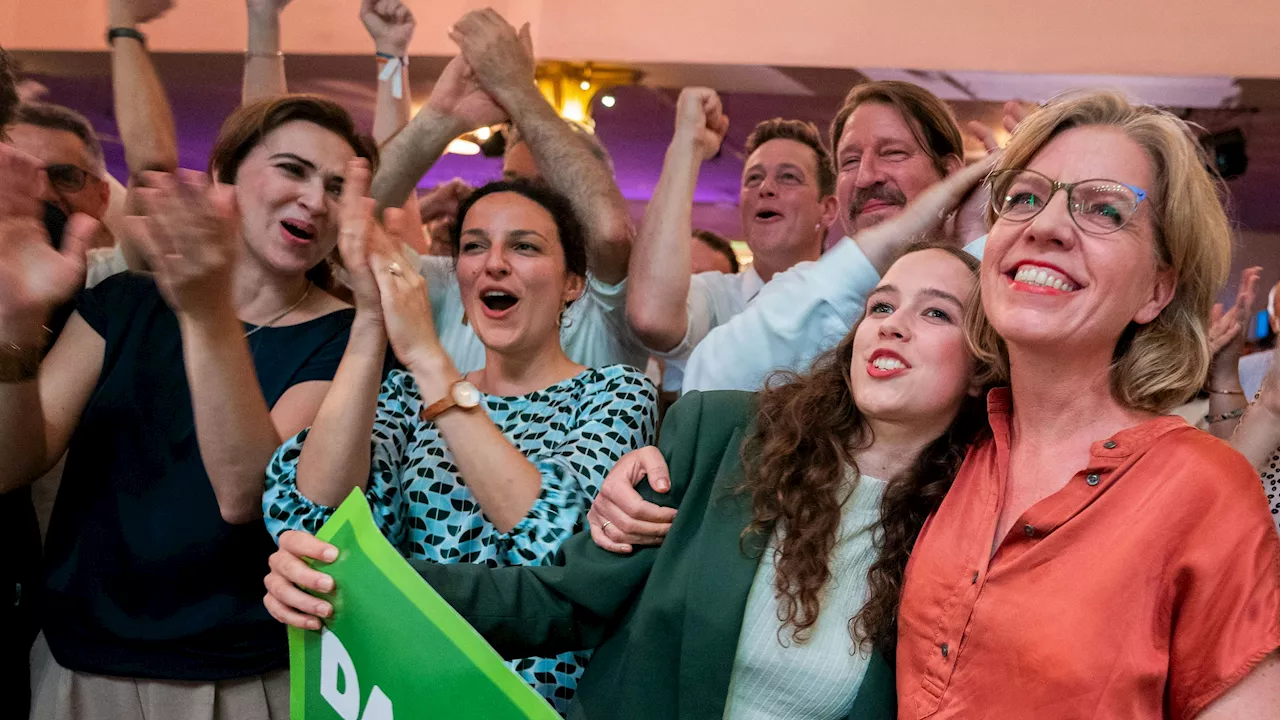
(737, 614)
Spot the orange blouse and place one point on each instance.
(1145, 588)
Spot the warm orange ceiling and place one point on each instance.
(1131, 37)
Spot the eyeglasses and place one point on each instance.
(1098, 206)
(68, 178)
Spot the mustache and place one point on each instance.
(880, 191)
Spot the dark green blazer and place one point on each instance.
(664, 620)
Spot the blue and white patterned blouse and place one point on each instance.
(573, 432)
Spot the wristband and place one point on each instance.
(125, 32)
(389, 68)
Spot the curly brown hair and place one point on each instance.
(808, 430)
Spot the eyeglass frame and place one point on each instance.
(1055, 186)
(86, 174)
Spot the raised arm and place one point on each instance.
(390, 23)
(456, 105)
(807, 309)
(658, 290)
(190, 234)
(40, 403)
(142, 111)
(263, 59)
(503, 62)
(336, 456)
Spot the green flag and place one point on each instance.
(394, 648)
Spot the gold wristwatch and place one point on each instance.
(462, 394)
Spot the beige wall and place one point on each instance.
(1132, 37)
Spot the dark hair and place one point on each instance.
(57, 117)
(720, 245)
(245, 128)
(802, 132)
(930, 120)
(568, 227)
(807, 431)
(8, 90)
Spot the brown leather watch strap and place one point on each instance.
(435, 409)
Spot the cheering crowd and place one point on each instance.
(933, 470)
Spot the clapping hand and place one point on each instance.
(34, 277)
(1226, 333)
(500, 57)
(189, 232)
(382, 279)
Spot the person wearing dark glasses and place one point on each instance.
(66, 144)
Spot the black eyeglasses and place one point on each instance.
(67, 177)
(1097, 206)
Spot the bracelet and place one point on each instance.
(263, 54)
(1223, 392)
(389, 68)
(125, 32)
(1232, 415)
(20, 364)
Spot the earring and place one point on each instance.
(564, 321)
(464, 318)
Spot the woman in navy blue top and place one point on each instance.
(170, 393)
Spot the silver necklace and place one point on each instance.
(306, 291)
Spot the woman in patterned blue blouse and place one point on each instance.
(497, 467)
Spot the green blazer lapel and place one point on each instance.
(877, 697)
(717, 595)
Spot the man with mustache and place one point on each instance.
(893, 142)
(787, 204)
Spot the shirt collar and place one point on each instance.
(1131, 440)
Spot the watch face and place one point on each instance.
(465, 394)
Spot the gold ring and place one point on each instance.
(606, 524)
(394, 269)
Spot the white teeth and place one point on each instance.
(887, 363)
(1032, 275)
(494, 293)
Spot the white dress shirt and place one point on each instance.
(596, 333)
(794, 318)
(714, 297)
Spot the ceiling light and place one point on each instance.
(608, 101)
(462, 147)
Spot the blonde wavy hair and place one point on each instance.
(1159, 365)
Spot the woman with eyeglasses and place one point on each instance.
(1094, 557)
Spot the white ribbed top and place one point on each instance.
(818, 679)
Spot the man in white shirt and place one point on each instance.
(787, 202)
(893, 142)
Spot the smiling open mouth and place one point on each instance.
(499, 301)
